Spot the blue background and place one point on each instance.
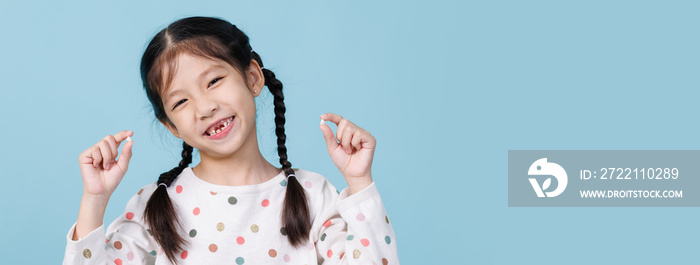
(446, 87)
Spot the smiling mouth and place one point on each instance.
(219, 127)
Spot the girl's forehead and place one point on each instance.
(189, 70)
(188, 67)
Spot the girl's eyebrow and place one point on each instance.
(171, 94)
(175, 91)
(210, 69)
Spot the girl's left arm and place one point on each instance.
(353, 228)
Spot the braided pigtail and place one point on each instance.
(295, 215)
(160, 214)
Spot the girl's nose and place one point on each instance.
(207, 108)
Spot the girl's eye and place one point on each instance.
(214, 81)
(179, 102)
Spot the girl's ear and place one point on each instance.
(256, 79)
(171, 128)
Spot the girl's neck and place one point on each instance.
(246, 166)
(236, 174)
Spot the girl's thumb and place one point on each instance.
(125, 156)
(331, 143)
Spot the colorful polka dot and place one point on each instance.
(220, 226)
(240, 260)
(329, 253)
(130, 255)
(307, 184)
(341, 255)
(232, 200)
(140, 191)
(265, 203)
(386, 218)
(387, 239)
(178, 189)
(360, 217)
(356, 254)
(350, 237)
(153, 253)
(118, 261)
(212, 193)
(149, 231)
(240, 240)
(193, 232)
(87, 253)
(195, 211)
(129, 215)
(183, 255)
(327, 224)
(283, 231)
(272, 253)
(117, 245)
(254, 228)
(287, 258)
(323, 237)
(364, 242)
(213, 247)
(283, 182)
(385, 261)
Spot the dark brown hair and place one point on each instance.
(211, 38)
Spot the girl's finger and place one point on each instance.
(125, 157)
(343, 126)
(357, 139)
(112, 144)
(96, 157)
(347, 138)
(86, 156)
(106, 154)
(121, 136)
(331, 143)
(334, 118)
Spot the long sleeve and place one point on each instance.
(126, 241)
(354, 229)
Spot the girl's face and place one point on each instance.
(211, 105)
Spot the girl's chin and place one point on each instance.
(219, 151)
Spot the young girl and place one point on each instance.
(201, 76)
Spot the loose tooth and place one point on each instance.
(322, 120)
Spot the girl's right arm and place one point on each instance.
(127, 240)
(101, 172)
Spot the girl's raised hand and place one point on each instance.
(100, 167)
(353, 151)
